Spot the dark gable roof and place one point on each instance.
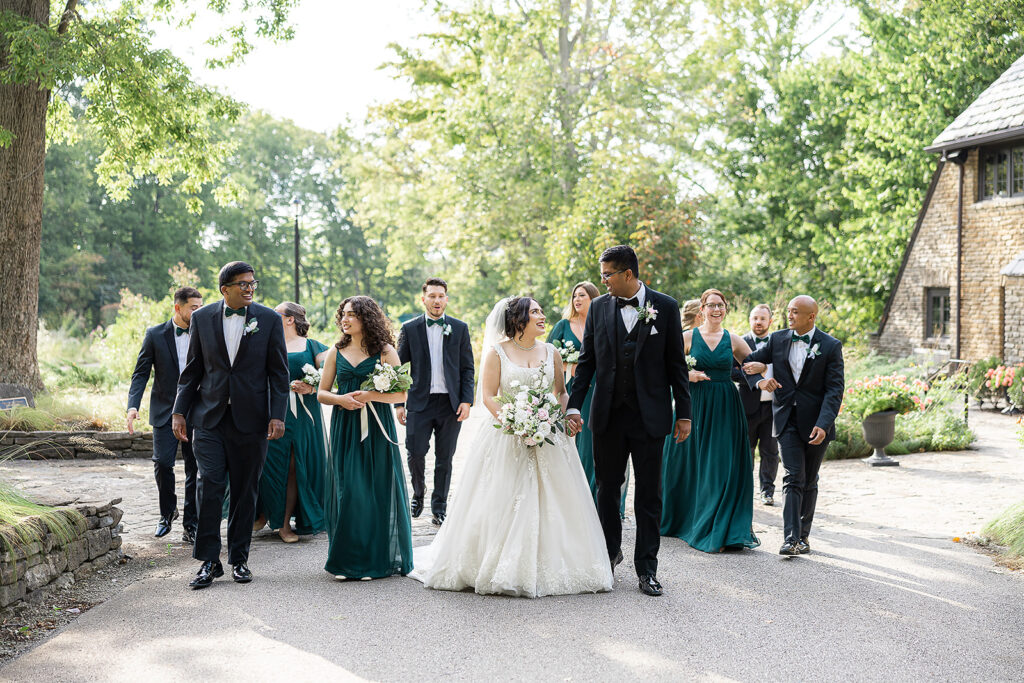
(997, 114)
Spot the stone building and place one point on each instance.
(959, 292)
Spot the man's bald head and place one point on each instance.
(801, 313)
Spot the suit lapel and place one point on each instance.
(809, 360)
(218, 333)
(645, 328)
(781, 359)
(613, 321)
(243, 343)
(171, 346)
(421, 331)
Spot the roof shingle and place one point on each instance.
(998, 110)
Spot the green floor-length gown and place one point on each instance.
(713, 503)
(677, 467)
(303, 438)
(367, 512)
(562, 333)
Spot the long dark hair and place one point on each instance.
(296, 311)
(377, 332)
(517, 315)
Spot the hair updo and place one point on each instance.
(688, 316)
(517, 315)
(298, 312)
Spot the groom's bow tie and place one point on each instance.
(761, 340)
(805, 338)
(634, 302)
(178, 331)
(431, 321)
(228, 311)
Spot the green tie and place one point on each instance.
(178, 331)
(805, 338)
(431, 321)
(228, 311)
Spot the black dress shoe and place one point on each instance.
(803, 547)
(240, 573)
(206, 574)
(438, 519)
(188, 536)
(163, 527)
(767, 499)
(649, 585)
(616, 561)
(416, 507)
(789, 549)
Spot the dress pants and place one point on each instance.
(226, 455)
(437, 419)
(759, 429)
(624, 437)
(165, 451)
(800, 483)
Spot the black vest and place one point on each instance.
(625, 363)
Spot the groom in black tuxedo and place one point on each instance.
(633, 352)
(441, 357)
(808, 387)
(235, 384)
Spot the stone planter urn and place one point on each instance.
(879, 431)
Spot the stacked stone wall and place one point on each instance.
(30, 571)
(75, 445)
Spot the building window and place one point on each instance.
(937, 312)
(1002, 173)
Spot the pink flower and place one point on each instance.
(542, 414)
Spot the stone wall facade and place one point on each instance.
(993, 233)
(1013, 320)
(29, 571)
(75, 445)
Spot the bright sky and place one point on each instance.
(328, 73)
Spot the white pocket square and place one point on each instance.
(654, 330)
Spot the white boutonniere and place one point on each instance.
(251, 328)
(647, 314)
(691, 362)
(814, 351)
(446, 329)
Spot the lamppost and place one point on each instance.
(298, 206)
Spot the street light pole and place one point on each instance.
(297, 205)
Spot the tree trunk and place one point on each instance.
(23, 113)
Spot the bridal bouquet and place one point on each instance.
(388, 379)
(531, 413)
(568, 351)
(311, 375)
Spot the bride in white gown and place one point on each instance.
(522, 521)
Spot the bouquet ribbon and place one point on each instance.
(364, 424)
(292, 401)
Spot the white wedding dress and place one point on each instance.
(522, 521)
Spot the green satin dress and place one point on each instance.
(713, 499)
(303, 438)
(367, 509)
(677, 467)
(562, 333)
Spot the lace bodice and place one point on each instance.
(510, 371)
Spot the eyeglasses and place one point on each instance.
(715, 306)
(607, 276)
(244, 285)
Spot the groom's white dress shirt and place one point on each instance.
(435, 341)
(234, 325)
(181, 346)
(630, 314)
(798, 354)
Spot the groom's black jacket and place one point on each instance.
(814, 401)
(257, 383)
(659, 369)
(457, 355)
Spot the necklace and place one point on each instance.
(524, 348)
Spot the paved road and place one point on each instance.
(886, 595)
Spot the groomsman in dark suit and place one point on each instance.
(235, 386)
(808, 387)
(441, 357)
(757, 404)
(164, 350)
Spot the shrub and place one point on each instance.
(1008, 529)
(977, 378)
(882, 393)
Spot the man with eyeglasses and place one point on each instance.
(633, 352)
(235, 383)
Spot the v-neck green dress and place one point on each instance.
(368, 522)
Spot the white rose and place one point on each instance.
(381, 383)
(544, 429)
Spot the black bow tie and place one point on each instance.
(634, 302)
(178, 331)
(228, 311)
(760, 340)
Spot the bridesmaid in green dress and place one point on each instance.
(292, 483)
(368, 522)
(721, 485)
(677, 462)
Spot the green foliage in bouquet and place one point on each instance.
(388, 379)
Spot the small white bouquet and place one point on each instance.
(311, 375)
(530, 413)
(567, 350)
(388, 379)
(691, 362)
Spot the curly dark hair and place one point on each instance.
(517, 315)
(377, 332)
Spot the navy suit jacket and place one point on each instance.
(158, 355)
(816, 398)
(751, 396)
(457, 355)
(257, 383)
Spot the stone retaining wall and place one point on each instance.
(75, 445)
(30, 571)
